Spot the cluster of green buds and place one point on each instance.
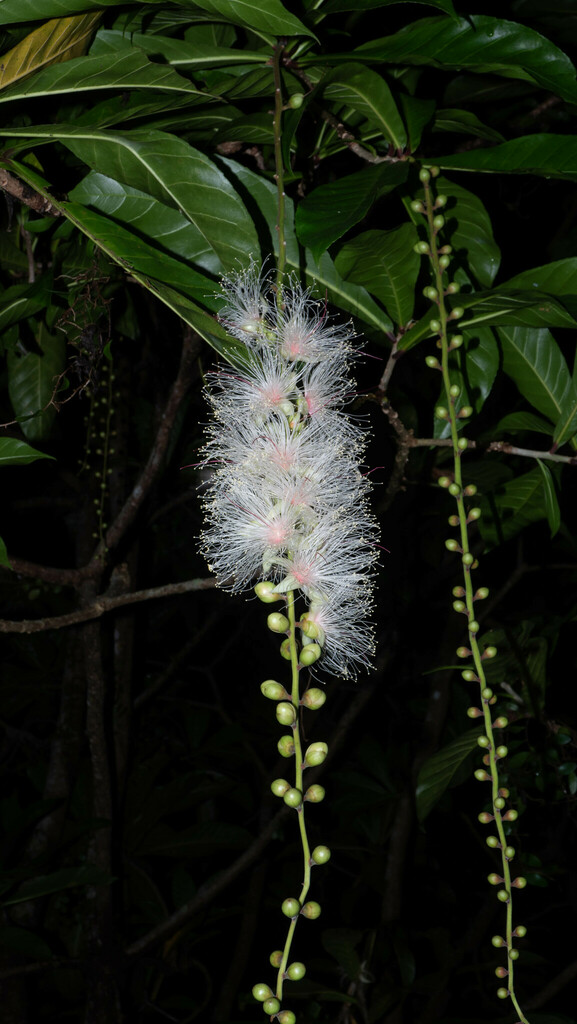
(441, 325)
(289, 706)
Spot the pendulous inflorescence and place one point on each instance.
(286, 502)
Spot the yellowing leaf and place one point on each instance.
(55, 41)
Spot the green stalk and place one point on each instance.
(279, 168)
(469, 563)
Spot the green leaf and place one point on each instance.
(524, 421)
(170, 170)
(24, 300)
(178, 53)
(514, 506)
(470, 230)
(357, 86)
(386, 264)
(552, 509)
(115, 71)
(567, 424)
(331, 210)
(68, 878)
(268, 16)
(322, 273)
(464, 122)
(523, 309)
(335, 6)
(57, 40)
(17, 11)
(553, 156)
(483, 44)
(33, 381)
(437, 772)
(4, 560)
(417, 113)
(558, 278)
(17, 453)
(533, 359)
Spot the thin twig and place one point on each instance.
(26, 195)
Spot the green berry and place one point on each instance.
(273, 690)
(316, 754)
(261, 992)
(320, 855)
(279, 787)
(293, 798)
(277, 622)
(311, 910)
(271, 1006)
(285, 713)
(286, 746)
(290, 907)
(296, 971)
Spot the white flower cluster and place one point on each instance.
(286, 501)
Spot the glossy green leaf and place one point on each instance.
(469, 229)
(465, 122)
(168, 168)
(266, 16)
(68, 878)
(59, 39)
(558, 278)
(566, 427)
(14, 452)
(336, 6)
(33, 383)
(417, 114)
(483, 44)
(359, 87)
(524, 421)
(13, 12)
(533, 359)
(4, 560)
(178, 53)
(331, 210)
(524, 309)
(438, 771)
(321, 274)
(385, 263)
(24, 300)
(122, 71)
(515, 505)
(551, 156)
(552, 510)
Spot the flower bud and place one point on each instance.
(314, 698)
(453, 288)
(417, 206)
(462, 444)
(481, 594)
(474, 513)
(513, 954)
(277, 622)
(469, 675)
(468, 558)
(296, 100)
(520, 931)
(261, 992)
(459, 606)
(320, 855)
(291, 907)
(452, 545)
(273, 690)
(499, 803)
(441, 201)
(265, 592)
(434, 326)
(431, 293)
(424, 175)
(444, 262)
(481, 775)
(316, 754)
(501, 972)
(279, 787)
(495, 879)
(502, 751)
(438, 222)
(285, 649)
(441, 413)
(310, 654)
(311, 910)
(286, 746)
(501, 722)
(492, 842)
(464, 652)
(519, 882)
(511, 815)
(275, 958)
(467, 410)
(456, 341)
(498, 941)
(433, 363)
(458, 591)
(293, 798)
(474, 626)
(444, 481)
(509, 852)
(285, 713)
(453, 520)
(502, 993)
(454, 489)
(286, 1017)
(271, 1006)
(296, 971)
(483, 741)
(421, 248)
(503, 896)
(485, 817)
(474, 712)
(315, 794)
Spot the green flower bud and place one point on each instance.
(421, 248)
(316, 754)
(285, 649)
(456, 313)
(502, 993)
(444, 481)
(314, 698)
(481, 594)
(459, 606)
(494, 879)
(462, 444)
(456, 341)
(502, 751)
(469, 675)
(320, 855)
(417, 206)
(271, 1006)
(431, 293)
(291, 907)
(261, 992)
(265, 592)
(484, 817)
(286, 1017)
(454, 391)
(444, 262)
(273, 690)
(513, 954)
(509, 852)
(310, 629)
(498, 941)
(293, 798)
(483, 741)
(474, 626)
(481, 775)
(441, 413)
(487, 693)
(464, 414)
(468, 558)
(433, 363)
(286, 746)
(492, 842)
(454, 489)
(458, 591)
(474, 513)
(296, 100)
(453, 521)
(520, 931)
(438, 222)
(501, 972)
(277, 622)
(424, 175)
(511, 815)
(296, 971)
(279, 787)
(501, 722)
(315, 794)
(470, 490)
(310, 654)
(285, 713)
(503, 896)
(499, 803)
(453, 288)
(452, 545)
(434, 326)
(519, 882)
(276, 958)
(441, 201)
(311, 910)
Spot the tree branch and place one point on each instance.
(104, 604)
(26, 195)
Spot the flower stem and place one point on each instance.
(279, 167)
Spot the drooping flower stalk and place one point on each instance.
(286, 505)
